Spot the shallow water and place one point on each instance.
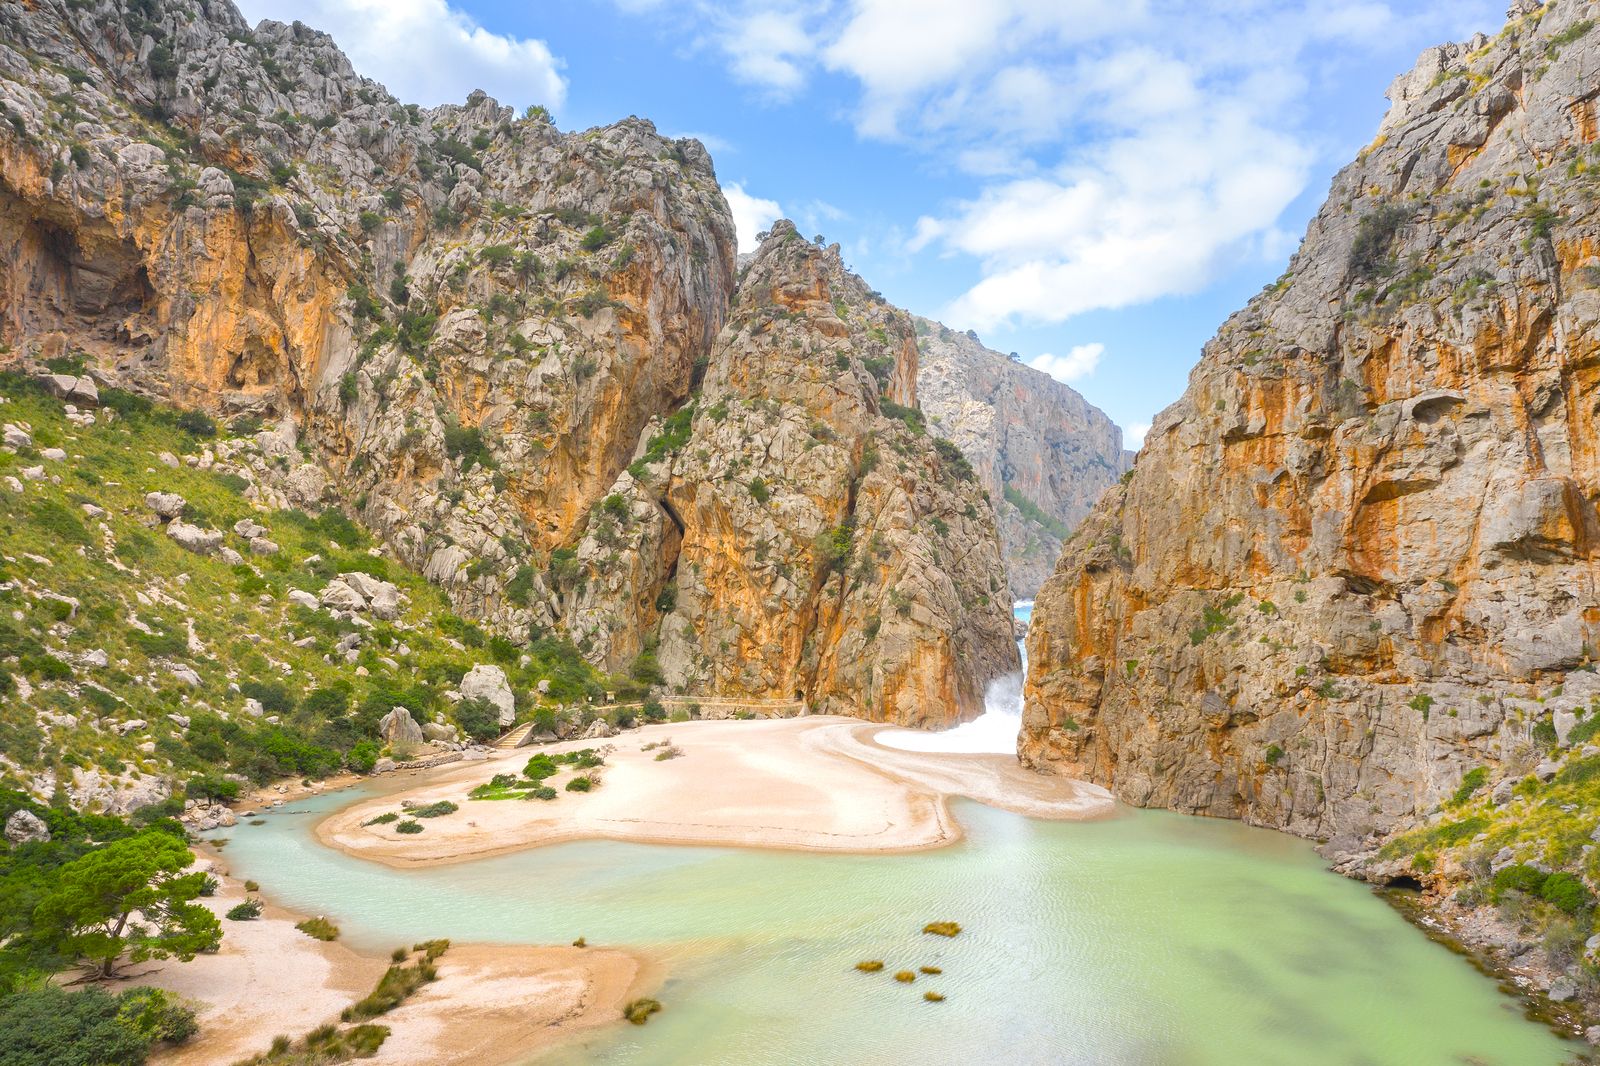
(1149, 938)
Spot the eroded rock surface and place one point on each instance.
(1358, 558)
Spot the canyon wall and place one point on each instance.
(1356, 562)
(462, 325)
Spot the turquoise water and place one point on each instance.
(1148, 938)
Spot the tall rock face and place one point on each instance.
(795, 532)
(1357, 559)
(1042, 451)
(464, 326)
(463, 320)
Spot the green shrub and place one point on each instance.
(247, 911)
(581, 783)
(383, 819)
(1473, 780)
(435, 810)
(1520, 878)
(409, 827)
(1566, 892)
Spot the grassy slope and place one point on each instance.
(124, 571)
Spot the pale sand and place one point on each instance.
(817, 783)
(491, 1003)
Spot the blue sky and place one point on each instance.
(1095, 185)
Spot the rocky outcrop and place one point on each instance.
(1358, 558)
(1043, 453)
(25, 827)
(795, 532)
(464, 318)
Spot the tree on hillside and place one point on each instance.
(130, 898)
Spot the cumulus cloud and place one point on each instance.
(427, 52)
(1133, 435)
(1080, 362)
(1114, 153)
(751, 214)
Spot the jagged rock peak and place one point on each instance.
(795, 533)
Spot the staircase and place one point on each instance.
(514, 737)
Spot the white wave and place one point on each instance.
(993, 731)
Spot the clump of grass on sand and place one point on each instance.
(319, 928)
(638, 1011)
(870, 965)
(324, 1044)
(930, 969)
(933, 997)
(409, 826)
(942, 928)
(435, 810)
(248, 911)
(905, 977)
(398, 983)
(382, 819)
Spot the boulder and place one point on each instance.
(249, 529)
(193, 538)
(253, 708)
(16, 437)
(339, 595)
(439, 733)
(25, 827)
(166, 505)
(383, 598)
(486, 682)
(303, 598)
(383, 766)
(1562, 989)
(263, 546)
(398, 727)
(599, 729)
(55, 455)
(185, 674)
(132, 725)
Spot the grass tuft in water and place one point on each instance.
(319, 928)
(638, 1012)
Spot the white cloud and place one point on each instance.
(751, 214)
(1133, 435)
(427, 52)
(765, 46)
(1080, 362)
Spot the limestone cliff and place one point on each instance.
(1357, 559)
(460, 324)
(795, 532)
(1042, 451)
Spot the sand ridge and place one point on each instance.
(491, 1003)
(818, 783)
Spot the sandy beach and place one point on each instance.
(490, 1004)
(817, 783)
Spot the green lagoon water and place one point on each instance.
(1149, 939)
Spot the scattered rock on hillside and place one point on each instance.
(166, 505)
(25, 827)
(193, 538)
